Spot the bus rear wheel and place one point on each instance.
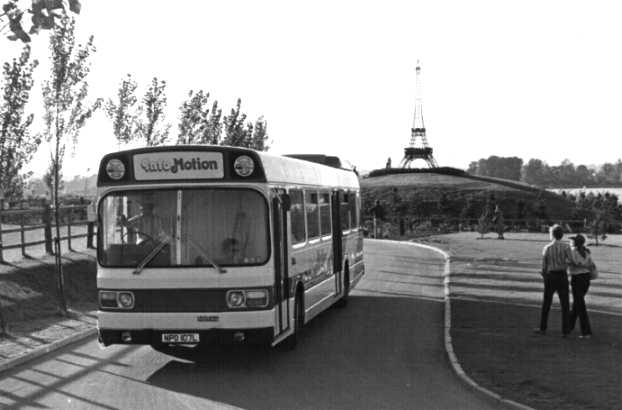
(343, 301)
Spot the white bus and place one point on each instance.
(211, 244)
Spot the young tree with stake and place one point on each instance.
(66, 110)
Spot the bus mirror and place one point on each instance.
(286, 202)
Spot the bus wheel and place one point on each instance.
(299, 319)
(343, 302)
(162, 347)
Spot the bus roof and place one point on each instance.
(304, 172)
(212, 163)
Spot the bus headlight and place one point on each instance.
(115, 169)
(257, 298)
(244, 165)
(107, 299)
(114, 299)
(235, 299)
(126, 300)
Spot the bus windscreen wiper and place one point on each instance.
(206, 256)
(154, 252)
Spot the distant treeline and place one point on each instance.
(539, 173)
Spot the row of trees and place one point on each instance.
(539, 173)
(67, 108)
(200, 122)
(588, 212)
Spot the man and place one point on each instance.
(555, 258)
(498, 222)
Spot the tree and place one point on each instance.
(49, 181)
(123, 112)
(241, 134)
(194, 124)
(214, 126)
(608, 174)
(235, 133)
(260, 135)
(583, 176)
(151, 118)
(44, 14)
(498, 167)
(535, 172)
(17, 145)
(66, 112)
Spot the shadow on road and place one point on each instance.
(30, 391)
(339, 363)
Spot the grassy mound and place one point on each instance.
(455, 194)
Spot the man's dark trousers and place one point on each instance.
(555, 281)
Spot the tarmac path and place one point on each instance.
(385, 350)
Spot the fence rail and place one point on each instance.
(27, 221)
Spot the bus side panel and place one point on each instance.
(353, 255)
(313, 266)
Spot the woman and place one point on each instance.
(579, 270)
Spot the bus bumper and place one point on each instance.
(261, 336)
(222, 327)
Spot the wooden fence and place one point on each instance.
(26, 223)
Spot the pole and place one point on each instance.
(69, 213)
(47, 228)
(22, 235)
(375, 231)
(61, 280)
(1, 208)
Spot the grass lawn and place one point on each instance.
(497, 291)
(29, 303)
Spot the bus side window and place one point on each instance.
(297, 215)
(325, 219)
(313, 214)
(355, 210)
(344, 209)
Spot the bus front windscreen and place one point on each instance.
(189, 227)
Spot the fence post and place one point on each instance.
(375, 231)
(69, 212)
(47, 229)
(22, 235)
(90, 232)
(1, 208)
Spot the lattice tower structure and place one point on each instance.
(418, 147)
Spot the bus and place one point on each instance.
(201, 244)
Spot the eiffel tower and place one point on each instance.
(416, 149)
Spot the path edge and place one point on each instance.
(45, 349)
(453, 359)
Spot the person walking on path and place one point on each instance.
(579, 269)
(498, 222)
(555, 258)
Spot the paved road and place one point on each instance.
(384, 351)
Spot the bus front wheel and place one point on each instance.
(299, 319)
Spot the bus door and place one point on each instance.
(337, 241)
(280, 205)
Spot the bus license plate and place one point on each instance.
(180, 338)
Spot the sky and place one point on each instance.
(530, 79)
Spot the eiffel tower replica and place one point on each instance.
(419, 147)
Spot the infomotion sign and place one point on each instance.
(178, 165)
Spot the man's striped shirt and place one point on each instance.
(555, 256)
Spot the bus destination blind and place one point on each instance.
(178, 165)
